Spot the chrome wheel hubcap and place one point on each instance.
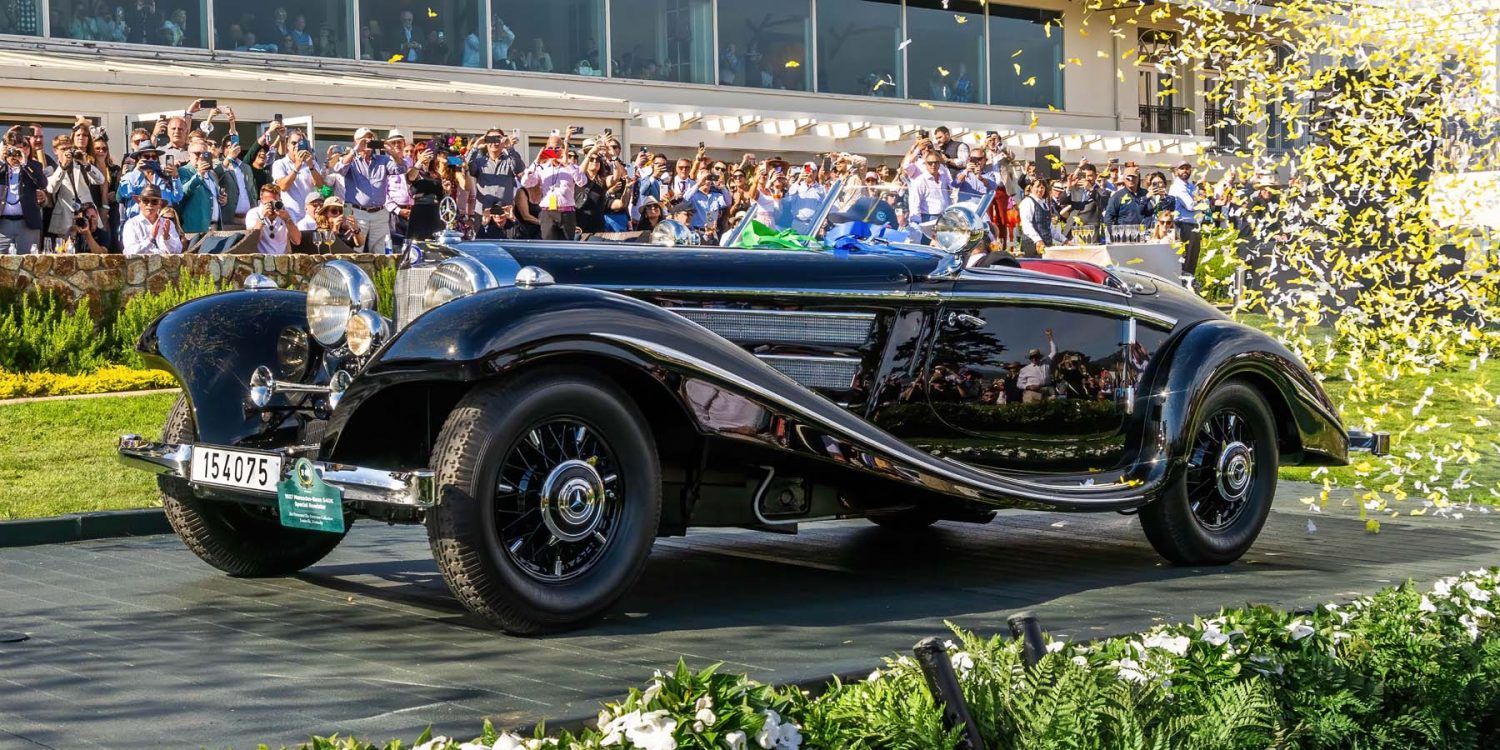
(1221, 470)
(558, 500)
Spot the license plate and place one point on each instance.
(241, 470)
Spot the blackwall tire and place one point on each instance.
(242, 540)
(1213, 512)
(549, 494)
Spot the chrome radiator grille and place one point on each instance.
(410, 284)
(784, 326)
(829, 373)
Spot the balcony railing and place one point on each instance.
(1166, 120)
(1227, 135)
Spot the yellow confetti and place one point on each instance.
(925, 105)
(431, 13)
(1029, 81)
(396, 58)
(942, 71)
(1034, 121)
(961, 19)
(793, 64)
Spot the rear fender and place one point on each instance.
(212, 344)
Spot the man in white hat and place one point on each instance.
(366, 170)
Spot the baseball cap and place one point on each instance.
(362, 134)
(871, 175)
(1183, 163)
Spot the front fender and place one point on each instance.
(212, 344)
(1215, 351)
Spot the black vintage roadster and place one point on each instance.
(549, 409)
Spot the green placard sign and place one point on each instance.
(307, 503)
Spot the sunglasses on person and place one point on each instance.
(933, 163)
(150, 202)
(333, 211)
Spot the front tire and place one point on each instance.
(549, 499)
(246, 540)
(1216, 507)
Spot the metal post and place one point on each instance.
(942, 682)
(1025, 627)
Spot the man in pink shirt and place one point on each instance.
(556, 170)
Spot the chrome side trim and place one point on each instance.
(783, 326)
(842, 424)
(410, 489)
(1051, 300)
(828, 373)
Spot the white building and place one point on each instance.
(773, 77)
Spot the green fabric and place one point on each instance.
(762, 236)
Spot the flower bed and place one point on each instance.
(1402, 668)
(109, 379)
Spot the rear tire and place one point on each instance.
(243, 540)
(549, 494)
(1216, 507)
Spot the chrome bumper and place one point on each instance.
(1373, 443)
(408, 489)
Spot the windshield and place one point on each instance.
(798, 220)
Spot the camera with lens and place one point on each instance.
(923, 135)
(76, 155)
(12, 153)
(81, 223)
(278, 206)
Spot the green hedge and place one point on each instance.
(1401, 669)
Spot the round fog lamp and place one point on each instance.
(366, 331)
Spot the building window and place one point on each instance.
(1158, 90)
(945, 60)
(1278, 130)
(663, 40)
(764, 43)
(1026, 52)
(560, 36)
(166, 23)
(859, 45)
(312, 29)
(21, 17)
(429, 32)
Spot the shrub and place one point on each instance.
(385, 288)
(39, 333)
(1218, 264)
(1401, 668)
(107, 379)
(142, 309)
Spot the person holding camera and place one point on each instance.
(25, 183)
(278, 230)
(297, 173)
(150, 231)
(928, 182)
(495, 167)
(149, 170)
(366, 169)
(557, 174)
(70, 186)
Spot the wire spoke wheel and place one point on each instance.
(557, 499)
(1221, 469)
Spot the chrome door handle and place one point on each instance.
(964, 320)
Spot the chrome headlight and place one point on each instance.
(454, 278)
(367, 330)
(958, 228)
(338, 290)
(670, 233)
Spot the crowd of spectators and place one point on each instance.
(382, 188)
(135, 21)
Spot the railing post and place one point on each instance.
(1026, 628)
(942, 682)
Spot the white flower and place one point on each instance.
(790, 737)
(654, 732)
(1443, 587)
(651, 692)
(1474, 592)
(1266, 660)
(736, 740)
(1299, 629)
(875, 675)
(1056, 646)
(473, 746)
(962, 662)
(508, 741)
(1480, 612)
(436, 743)
(1081, 661)
(1175, 645)
(769, 732)
(706, 701)
(1426, 605)
(950, 645)
(1469, 625)
(1129, 669)
(1213, 636)
(703, 719)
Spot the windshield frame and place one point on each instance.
(732, 238)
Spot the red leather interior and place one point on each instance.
(1068, 269)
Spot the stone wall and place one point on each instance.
(106, 281)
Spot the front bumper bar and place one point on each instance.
(406, 489)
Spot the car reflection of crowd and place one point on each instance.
(1044, 376)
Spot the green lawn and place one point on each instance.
(58, 457)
